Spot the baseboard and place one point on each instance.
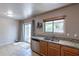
(3, 44)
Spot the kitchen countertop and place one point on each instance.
(62, 41)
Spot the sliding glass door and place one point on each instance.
(27, 32)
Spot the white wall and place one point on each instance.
(8, 31)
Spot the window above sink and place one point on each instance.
(54, 26)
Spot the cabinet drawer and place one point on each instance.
(54, 45)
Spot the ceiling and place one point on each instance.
(21, 11)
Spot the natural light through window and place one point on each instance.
(59, 26)
(56, 26)
(49, 26)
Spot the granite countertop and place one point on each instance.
(63, 41)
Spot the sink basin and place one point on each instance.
(47, 38)
(55, 40)
(52, 39)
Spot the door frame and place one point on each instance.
(24, 31)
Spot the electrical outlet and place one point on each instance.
(68, 34)
(75, 35)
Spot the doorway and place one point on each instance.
(27, 32)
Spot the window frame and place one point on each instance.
(44, 27)
(53, 27)
(63, 26)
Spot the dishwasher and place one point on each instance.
(35, 45)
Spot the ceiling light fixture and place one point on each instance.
(9, 13)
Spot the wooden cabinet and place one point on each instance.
(53, 49)
(43, 47)
(68, 51)
(35, 45)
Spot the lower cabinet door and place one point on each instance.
(43, 48)
(68, 51)
(53, 51)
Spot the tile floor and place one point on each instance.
(17, 49)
